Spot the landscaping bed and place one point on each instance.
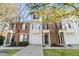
(1, 40)
(8, 52)
(21, 44)
(61, 52)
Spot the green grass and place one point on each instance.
(10, 52)
(61, 52)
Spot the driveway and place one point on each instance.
(31, 50)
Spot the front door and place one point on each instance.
(46, 39)
(62, 38)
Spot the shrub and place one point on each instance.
(1, 40)
(55, 45)
(20, 44)
(23, 43)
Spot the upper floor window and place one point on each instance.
(27, 27)
(39, 27)
(14, 26)
(69, 25)
(65, 27)
(78, 25)
(36, 26)
(45, 26)
(11, 26)
(23, 27)
(32, 26)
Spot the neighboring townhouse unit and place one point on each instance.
(17, 32)
(50, 34)
(69, 34)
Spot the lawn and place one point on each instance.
(9, 52)
(61, 52)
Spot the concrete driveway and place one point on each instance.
(31, 50)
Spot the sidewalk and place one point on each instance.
(11, 47)
(31, 50)
(60, 47)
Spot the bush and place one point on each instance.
(55, 45)
(1, 40)
(20, 44)
(23, 43)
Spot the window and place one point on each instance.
(14, 26)
(78, 25)
(32, 26)
(65, 27)
(45, 26)
(23, 27)
(17, 27)
(69, 25)
(11, 26)
(27, 27)
(23, 38)
(39, 27)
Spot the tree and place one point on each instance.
(53, 13)
(8, 14)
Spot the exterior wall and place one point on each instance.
(21, 30)
(53, 34)
(35, 36)
(71, 33)
(71, 38)
(17, 30)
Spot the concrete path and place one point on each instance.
(3, 54)
(11, 48)
(31, 50)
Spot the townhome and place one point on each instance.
(17, 32)
(50, 34)
(43, 33)
(69, 34)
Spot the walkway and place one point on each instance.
(31, 50)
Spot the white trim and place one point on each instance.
(49, 39)
(23, 33)
(6, 39)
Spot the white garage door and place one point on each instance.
(35, 39)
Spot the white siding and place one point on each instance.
(71, 37)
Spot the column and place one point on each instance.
(5, 40)
(43, 39)
(60, 38)
(49, 39)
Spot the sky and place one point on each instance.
(23, 9)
